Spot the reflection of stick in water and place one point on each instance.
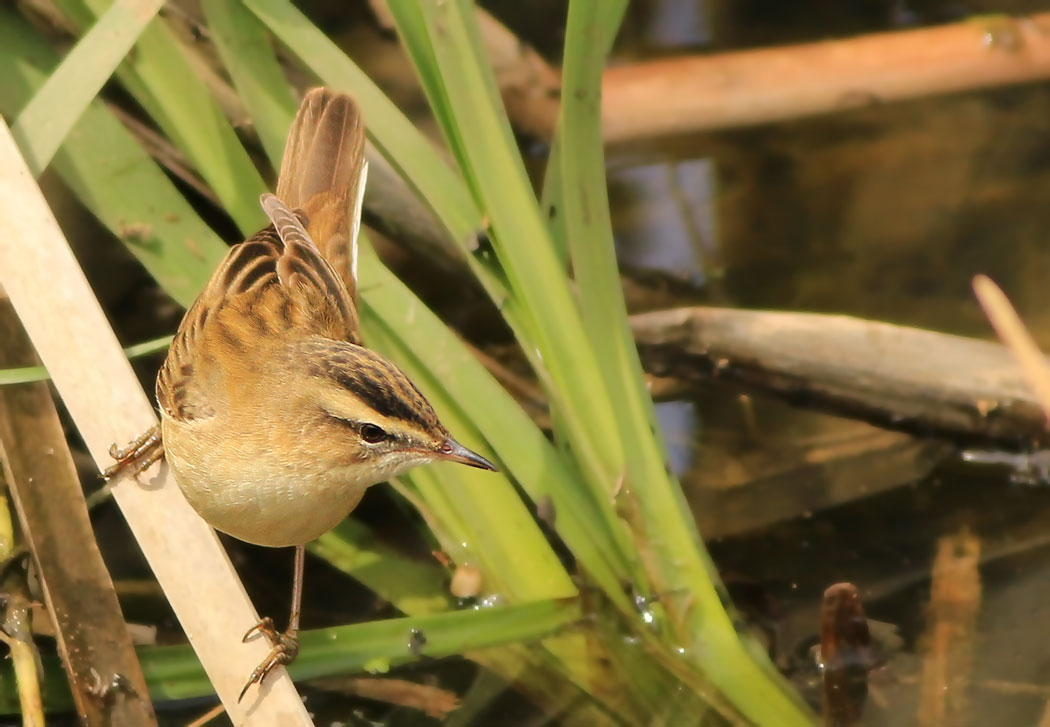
(947, 663)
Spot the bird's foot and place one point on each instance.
(137, 457)
(285, 649)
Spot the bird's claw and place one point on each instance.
(285, 649)
(138, 456)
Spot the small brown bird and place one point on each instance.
(274, 417)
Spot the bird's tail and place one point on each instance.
(323, 174)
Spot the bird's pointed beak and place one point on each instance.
(453, 451)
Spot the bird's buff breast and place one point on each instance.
(262, 500)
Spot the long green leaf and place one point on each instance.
(112, 176)
(519, 237)
(44, 123)
(522, 242)
(665, 529)
(585, 215)
(247, 52)
(173, 672)
(160, 77)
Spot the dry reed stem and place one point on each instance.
(208, 716)
(74, 341)
(1015, 336)
(1045, 720)
(896, 377)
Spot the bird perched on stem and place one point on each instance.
(274, 417)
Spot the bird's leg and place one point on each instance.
(286, 645)
(137, 457)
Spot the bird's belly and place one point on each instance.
(261, 501)
(275, 515)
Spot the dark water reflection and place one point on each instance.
(884, 213)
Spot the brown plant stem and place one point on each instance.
(686, 95)
(89, 627)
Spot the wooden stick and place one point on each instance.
(74, 341)
(677, 96)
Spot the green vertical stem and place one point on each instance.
(651, 499)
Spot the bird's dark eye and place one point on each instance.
(372, 433)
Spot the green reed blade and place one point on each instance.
(160, 77)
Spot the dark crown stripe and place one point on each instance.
(377, 383)
(380, 397)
